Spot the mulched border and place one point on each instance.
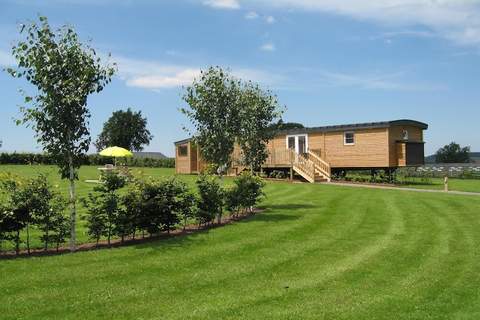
(116, 243)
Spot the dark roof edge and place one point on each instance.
(182, 141)
(357, 126)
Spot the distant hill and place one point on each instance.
(152, 155)
(474, 157)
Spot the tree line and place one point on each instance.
(87, 160)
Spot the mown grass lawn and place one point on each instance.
(317, 252)
(468, 185)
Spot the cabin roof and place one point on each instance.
(357, 126)
(182, 141)
(346, 127)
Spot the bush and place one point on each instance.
(277, 174)
(31, 202)
(245, 194)
(210, 203)
(104, 215)
(153, 206)
(93, 159)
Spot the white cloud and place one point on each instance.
(270, 19)
(269, 46)
(223, 4)
(162, 81)
(156, 75)
(456, 20)
(251, 15)
(6, 59)
(389, 81)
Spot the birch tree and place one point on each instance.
(65, 73)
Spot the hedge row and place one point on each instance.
(92, 159)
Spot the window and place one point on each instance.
(349, 138)
(405, 135)
(291, 143)
(182, 151)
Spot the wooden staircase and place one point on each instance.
(311, 166)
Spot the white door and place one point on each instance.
(298, 142)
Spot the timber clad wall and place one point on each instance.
(415, 134)
(182, 163)
(376, 145)
(369, 150)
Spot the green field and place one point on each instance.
(317, 252)
(468, 185)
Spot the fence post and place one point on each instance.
(445, 182)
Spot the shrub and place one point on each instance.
(103, 208)
(245, 194)
(211, 199)
(155, 206)
(31, 202)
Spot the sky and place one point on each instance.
(329, 62)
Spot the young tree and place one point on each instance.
(126, 129)
(65, 72)
(213, 110)
(258, 111)
(245, 193)
(103, 208)
(211, 199)
(453, 153)
(51, 222)
(132, 202)
(16, 211)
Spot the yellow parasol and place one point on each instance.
(116, 152)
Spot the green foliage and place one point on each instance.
(280, 125)
(258, 110)
(105, 217)
(453, 153)
(112, 181)
(126, 129)
(224, 110)
(213, 110)
(65, 72)
(277, 174)
(155, 206)
(245, 194)
(91, 159)
(211, 199)
(52, 222)
(31, 202)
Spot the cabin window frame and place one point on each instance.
(345, 143)
(296, 141)
(184, 147)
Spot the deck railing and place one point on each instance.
(321, 165)
(306, 164)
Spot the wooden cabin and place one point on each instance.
(315, 152)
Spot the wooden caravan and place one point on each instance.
(187, 157)
(315, 152)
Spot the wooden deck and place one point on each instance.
(310, 165)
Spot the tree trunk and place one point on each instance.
(17, 243)
(28, 238)
(46, 241)
(73, 209)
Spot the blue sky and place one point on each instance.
(329, 62)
